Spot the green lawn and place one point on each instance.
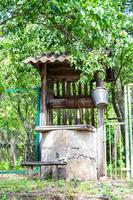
(21, 188)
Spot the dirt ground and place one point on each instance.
(14, 187)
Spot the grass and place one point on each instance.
(115, 190)
(22, 185)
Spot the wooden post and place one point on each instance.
(55, 172)
(101, 157)
(92, 110)
(43, 110)
(43, 95)
(31, 173)
(100, 144)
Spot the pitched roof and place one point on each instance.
(47, 58)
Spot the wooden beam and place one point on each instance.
(72, 102)
(65, 72)
(80, 127)
(66, 77)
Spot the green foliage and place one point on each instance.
(17, 122)
(4, 197)
(108, 190)
(4, 165)
(86, 187)
(94, 33)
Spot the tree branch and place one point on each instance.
(10, 18)
(121, 66)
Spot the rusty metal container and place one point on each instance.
(100, 97)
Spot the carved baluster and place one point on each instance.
(85, 89)
(87, 116)
(68, 89)
(58, 117)
(51, 116)
(64, 117)
(92, 117)
(81, 115)
(74, 88)
(63, 89)
(79, 89)
(70, 116)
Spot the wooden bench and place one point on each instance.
(31, 165)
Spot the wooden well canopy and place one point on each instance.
(65, 100)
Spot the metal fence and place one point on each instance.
(119, 141)
(128, 90)
(115, 150)
(18, 140)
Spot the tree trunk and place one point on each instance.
(13, 149)
(118, 104)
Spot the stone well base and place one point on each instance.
(78, 148)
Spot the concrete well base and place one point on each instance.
(78, 148)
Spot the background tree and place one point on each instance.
(97, 35)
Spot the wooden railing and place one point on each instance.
(69, 103)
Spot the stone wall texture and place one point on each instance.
(78, 148)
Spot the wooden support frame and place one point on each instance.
(63, 101)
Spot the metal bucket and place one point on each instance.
(100, 97)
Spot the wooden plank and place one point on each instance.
(41, 163)
(85, 102)
(84, 127)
